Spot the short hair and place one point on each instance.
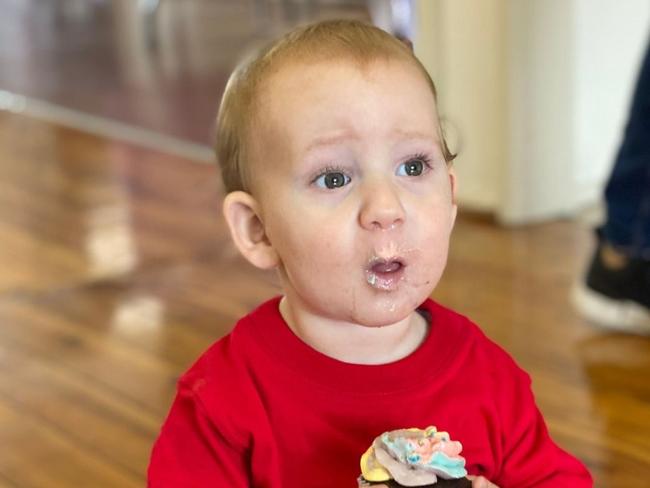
(350, 40)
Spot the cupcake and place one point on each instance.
(414, 458)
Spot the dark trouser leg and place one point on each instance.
(628, 191)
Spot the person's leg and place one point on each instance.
(628, 191)
(616, 291)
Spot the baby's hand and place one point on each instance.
(481, 482)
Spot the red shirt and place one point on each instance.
(262, 409)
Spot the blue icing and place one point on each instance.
(413, 458)
(403, 451)
(455, 468)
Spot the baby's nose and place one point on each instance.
(381, 208)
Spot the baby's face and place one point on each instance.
(355, 195)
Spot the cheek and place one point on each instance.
(437, 236)
(304, 228)
(435, 231)
(437, 214)
(307, 247)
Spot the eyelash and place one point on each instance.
(426, 160)
(330, 169)
(420, 157)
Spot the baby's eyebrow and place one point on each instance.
(332, 140)
(414, 134)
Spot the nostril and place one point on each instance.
(386, 224)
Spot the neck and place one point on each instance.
(354, 343)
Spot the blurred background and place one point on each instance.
(116, 269)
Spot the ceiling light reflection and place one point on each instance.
(110, 244)
(138, 315)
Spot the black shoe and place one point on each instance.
(616, 299)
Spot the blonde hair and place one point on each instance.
(351, 40)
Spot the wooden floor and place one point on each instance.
(116, 272)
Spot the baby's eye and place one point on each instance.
(412, 167)
(332, 179)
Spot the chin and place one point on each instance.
(379, 313)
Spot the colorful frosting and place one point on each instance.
(413, 457)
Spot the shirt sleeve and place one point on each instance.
(530, 457)
(192, 452)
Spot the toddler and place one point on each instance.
(338, 176)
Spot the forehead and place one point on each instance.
(302, 101)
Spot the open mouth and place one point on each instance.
(385, 274)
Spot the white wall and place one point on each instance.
(465, 54)
(538, 91)
(609, 41)
(572, 69)
(540, 132)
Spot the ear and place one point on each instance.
(454, 190)
(242, 214)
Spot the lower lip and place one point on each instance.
(385, 281)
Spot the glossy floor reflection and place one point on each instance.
(116, 272)
(161, 70)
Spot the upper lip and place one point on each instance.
(383, 260)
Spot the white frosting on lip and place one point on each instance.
(385, 281)
(391, 251)
(385, 266)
